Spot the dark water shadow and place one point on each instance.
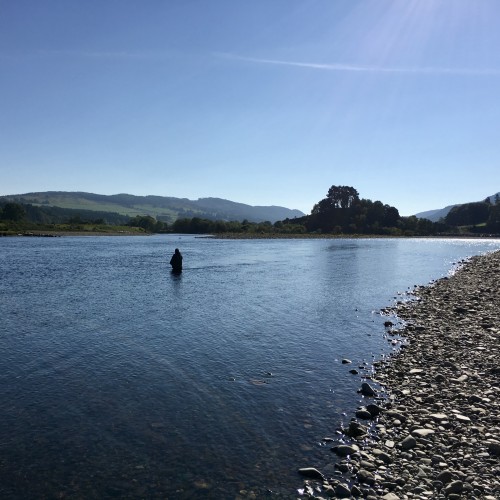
(176, 275)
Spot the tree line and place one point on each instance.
(342, 211)
(27, 212)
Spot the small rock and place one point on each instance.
(445, 477)
(364, 414)
(342, 491)
(437, 459)
(475, 399)
(387, 459)
(396, 415)
(390, 496)
(344, 450)
(422, 432)
(367, 389)
(365, 476)
(312, 473)
(346, 361)
(438, 416)
(408, 443)
(416, 371)
(356, 429)
(355, 491)
(454, 487)
(374, 409)
(449, 364)
(367, 465)
(494, 448)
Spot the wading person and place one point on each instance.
(176, 261)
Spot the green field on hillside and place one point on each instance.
(81, 203)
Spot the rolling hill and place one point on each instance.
(166, 209)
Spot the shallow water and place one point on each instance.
(119, 379)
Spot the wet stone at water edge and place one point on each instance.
(437, 434)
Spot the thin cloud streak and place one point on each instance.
(368, 69)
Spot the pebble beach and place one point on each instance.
(429, 427)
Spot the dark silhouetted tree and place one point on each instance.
(147, 223)
(342, 196)
(13, 211)
(468, 214)
(391, 216)
(493, 224)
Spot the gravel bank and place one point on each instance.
(432, 427)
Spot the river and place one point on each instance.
(120, 379)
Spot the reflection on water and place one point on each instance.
(176, 275)
(119, 378)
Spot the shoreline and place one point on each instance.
(60, 234)
(430, 427)
(50, 233)
(270, 236)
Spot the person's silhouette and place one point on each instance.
(176, 261)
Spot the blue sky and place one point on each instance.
(265, 102)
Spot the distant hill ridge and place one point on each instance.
(164, 208)
(441, 213)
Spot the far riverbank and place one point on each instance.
(136, 231)
(56, 234)
(267, 236)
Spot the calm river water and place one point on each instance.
(119, 379)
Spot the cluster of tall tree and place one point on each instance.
(343, 211)
(12, 212)
(148, 223)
